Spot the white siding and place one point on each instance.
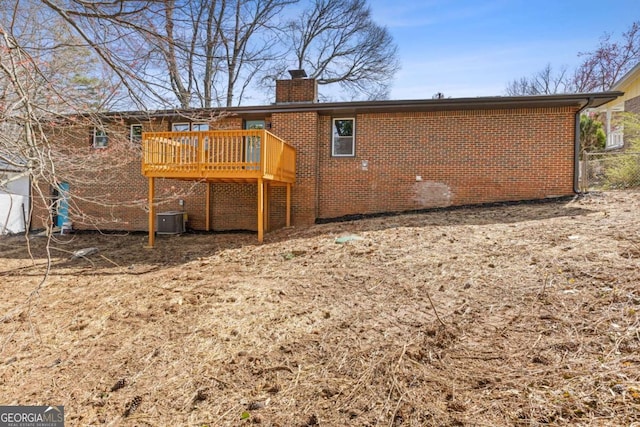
(14, 204)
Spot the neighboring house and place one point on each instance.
(14, 199)
(628, 102)
(298, 161)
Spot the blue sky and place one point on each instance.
(466, 48)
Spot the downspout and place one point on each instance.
(318, 173)
(576, 147)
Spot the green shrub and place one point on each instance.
(624, 170)
(592, 135)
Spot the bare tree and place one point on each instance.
(181, 40)
(55, 84)
(244, 55)
(206, 53)
(44, 72)
(211, 50)
(43, 99)
(118, 32)
(599, 71)
(544, 82)
(605, 65)
(336, 41)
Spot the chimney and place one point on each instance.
(299, 89)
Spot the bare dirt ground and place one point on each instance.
(519, 315)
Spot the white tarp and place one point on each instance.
(14, 204)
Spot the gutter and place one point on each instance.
(361, 107)
(576, 146)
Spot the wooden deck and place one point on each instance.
(233, 155)
(243, 156)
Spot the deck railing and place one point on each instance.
(221, 154)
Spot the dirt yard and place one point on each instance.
(520, 315)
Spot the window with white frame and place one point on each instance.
(100, 138)
(135, 134)
(180, 127)
(195, 127)
(199, 127)
(343, 141)
(186, 127)
(615, 138)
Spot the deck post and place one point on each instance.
(267, 210)
(152, 214)
(219, 156)
(207, 215)
(200, 155)
(260, 210)
(288, 214)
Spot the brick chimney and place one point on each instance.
(298, 89)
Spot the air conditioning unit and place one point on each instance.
(170, 222)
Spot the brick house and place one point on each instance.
(362, 157)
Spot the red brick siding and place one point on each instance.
(301, 131)
(131, 189)
(463, 157)
(632, 105)
(97, 185)
(296, 90)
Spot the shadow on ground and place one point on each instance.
(127, 250)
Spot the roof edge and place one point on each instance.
(595, 99)
(628, 75)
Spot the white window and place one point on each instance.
(135, 135)
(180, 127)
(100, 138)
(343, 142)
(186, 127)
(199, 127)
(615, 139)
(195, 127)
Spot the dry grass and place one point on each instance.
(520, 315)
